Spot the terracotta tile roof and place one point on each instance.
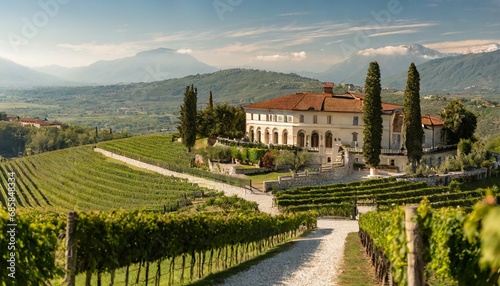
(328, 84)
(311, 101)
(348, 102)
(431, 120)
(340, 104)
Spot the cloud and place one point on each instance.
(247, 32)
(386, 51)
(462, 47)
(184, 51)
(408, 31)
(272, 58)
(299, 55)
(293, 14)
(238, 47)
(294, 56)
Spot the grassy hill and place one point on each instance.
(79, 178)
(151, 107)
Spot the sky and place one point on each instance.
(279, 35)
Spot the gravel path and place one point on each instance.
(264, 200)
(312, 260)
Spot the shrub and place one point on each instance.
(268, 160)
(254, 154)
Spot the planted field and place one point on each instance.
(153, 149)
(339, 199)
(162, 151)
(78, 178)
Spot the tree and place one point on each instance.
(206, 119)
(458, 122)
(229, 121)
(372, 117)
(413, 131)
(296, 160)
(3, 116)
(187, 127)
(210, 106)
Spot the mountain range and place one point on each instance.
(13, 75)
(471, 73)
(147, 66)
(439, 72)
(391, 59)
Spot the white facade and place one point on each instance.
(304, 121)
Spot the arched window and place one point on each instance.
(275, 136)
(315, 139)
(251, 135)
(301, 139)
(328, 140)
(285, 137)
(266, 137)
(259, 136)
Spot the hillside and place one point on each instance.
(150, 107)
(471, 73)
(78, 178)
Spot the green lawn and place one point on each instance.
(355, 269)
(271, 176)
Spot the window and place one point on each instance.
(355, 120)
(286, 118)
(329, 119)
(328, 140)
(355, 137)
(315, 118)
(259, 117)
(423, 139)
(251, 116)
(315, 140)
(301, 118)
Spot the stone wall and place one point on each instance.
(445, 179)
(307, 178)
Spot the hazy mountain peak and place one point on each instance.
(402, 50)
(482, 49)
(158, 51)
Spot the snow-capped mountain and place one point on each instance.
(391, 59)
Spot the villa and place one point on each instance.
(326, 123)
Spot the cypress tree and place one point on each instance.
(372, 117)
(210, 102)
(413, 131)
(187, 128)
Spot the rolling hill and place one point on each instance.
(79, 178)
(151, 107)
(471, 73)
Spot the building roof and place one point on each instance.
(431, 120)
(303, 101)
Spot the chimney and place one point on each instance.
(328, 87)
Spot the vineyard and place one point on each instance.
(78, 178)
(165, 152)
(339, 199)
(136, 247)
(458, 248)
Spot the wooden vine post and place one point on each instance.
(415, 249)
(70, 249)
